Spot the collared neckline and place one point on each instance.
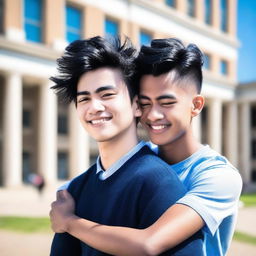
(104, 174)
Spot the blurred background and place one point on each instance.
(41, 142)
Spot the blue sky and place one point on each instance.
(246, 32)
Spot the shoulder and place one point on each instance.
(212, 172)
(76, 183)
(148, 163)
(154, 173)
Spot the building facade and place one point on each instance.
(39, 134)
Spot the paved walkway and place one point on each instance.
(27, 202)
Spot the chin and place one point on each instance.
(158, 141)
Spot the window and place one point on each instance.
(33, 20)
(253, 115)
(73, 23)
(62, 165)
(111, 27)
(1, 16)
(171, 3)
(191, 8)
(223, 15)
(253, 175)
(26, 166)
(207, 62)
(253, 152)
(26, 118)
(208, 11)
(223, 67)
(62, 124)
(145, 38)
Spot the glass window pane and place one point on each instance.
(171, 3)
(223, 67)
(145, 38)
(191, 8)
(33, 20)
(253, 116)
(26, 117)
(208, 11)
(73, 23)
(207, 61)
(111, 27)
(224, 14)
(26, 166)
(62, 165)
(62, 124)
(33, 33)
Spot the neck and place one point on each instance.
(180, 149)
(111, 151)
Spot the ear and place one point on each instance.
(198, 104)
(136, 107)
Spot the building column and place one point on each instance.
(232, 17)
(95, 15)
(216, 14)
(12, 131)
(79, 145)
(181, 6)
(197, 127)
(245, 142)
(13, 27)
(199, 12)
(231, 138)
(54, 27)
(47, 141)
(214, 125)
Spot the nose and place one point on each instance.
(95, 106)
(154, 114)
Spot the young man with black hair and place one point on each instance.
(170, 79)
(127, 186)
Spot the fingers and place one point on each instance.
(59, 195)
(63, 194)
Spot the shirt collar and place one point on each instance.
(118, 164)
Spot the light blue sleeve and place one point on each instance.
(64, 186)
(214, 194)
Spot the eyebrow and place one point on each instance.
(162, 97)
(98, 90)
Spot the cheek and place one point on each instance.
(80, 112)
(144, 114)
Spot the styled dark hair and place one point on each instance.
(170, 54)
(82, 56)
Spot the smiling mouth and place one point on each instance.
(158, 128)
(100, 121)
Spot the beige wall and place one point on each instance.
(54, 17)
(13, 14)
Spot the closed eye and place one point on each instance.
(83, 99)
(168, 103)
(144, 104)
(107, 95)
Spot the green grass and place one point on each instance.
(25, 224)
(248, 199)
(245, 238)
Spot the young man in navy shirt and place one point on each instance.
(128, 185)
(170, 80)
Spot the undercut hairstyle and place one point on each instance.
(165, 55)
(82, 56)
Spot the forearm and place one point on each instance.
(113, 240)
(176, 225)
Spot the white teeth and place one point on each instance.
(99, 121)
(158, 127)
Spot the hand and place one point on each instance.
(62, 210)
